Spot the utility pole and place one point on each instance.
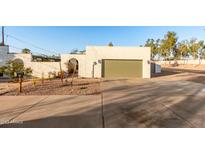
(2, 36)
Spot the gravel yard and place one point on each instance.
(92, 86)
(55, 87)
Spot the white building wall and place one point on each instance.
(96, 54)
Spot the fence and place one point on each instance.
(181, 62)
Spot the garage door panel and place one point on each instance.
(122, 68)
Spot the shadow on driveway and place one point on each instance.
(168, 105)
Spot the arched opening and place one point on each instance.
(73, 66)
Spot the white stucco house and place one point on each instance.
(95, 62)
(117, 61)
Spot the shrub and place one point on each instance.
(13, 67)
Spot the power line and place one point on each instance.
(18, 48)
(31, 44)
(15, 47)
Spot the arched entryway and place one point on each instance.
(73, 66)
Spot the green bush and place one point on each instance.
(13, 67)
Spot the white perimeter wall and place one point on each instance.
(39, 68)
(194, 62)
(43, 69)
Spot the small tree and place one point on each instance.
(2, 69)
(203, 54)
(168, 44)
(182, 50)
(16, 66)
(154, 45)
(72, 66)
(26, 51)
(164, 52)
(195, 46)
(110, 44)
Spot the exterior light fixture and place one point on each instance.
(148, 62)
(99, 61)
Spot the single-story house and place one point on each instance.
(112, 62)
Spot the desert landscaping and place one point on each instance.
(51, 87)
(88, 86)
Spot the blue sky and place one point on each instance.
(64, 39)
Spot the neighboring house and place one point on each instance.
(95, 62)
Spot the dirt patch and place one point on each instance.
(197, 68)
(55, 87)
(187, 72)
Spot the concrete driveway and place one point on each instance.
(175, 99)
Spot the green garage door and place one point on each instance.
(112, 68)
